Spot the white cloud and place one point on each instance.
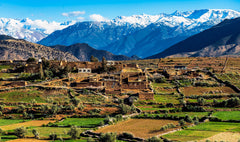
(80, 18)
(97, 17)
(73, 13)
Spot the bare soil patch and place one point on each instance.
(27, 140)
(143, 128)
(188, 91)
(224, 136)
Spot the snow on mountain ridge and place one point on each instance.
(35, 30)
(31, 30)
(186, 18)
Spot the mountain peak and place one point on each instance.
(30, 30)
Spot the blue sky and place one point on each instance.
(63, 10)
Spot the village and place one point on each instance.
(93, 98)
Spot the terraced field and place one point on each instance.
(143, 128)
(204, 131)
(26, 124)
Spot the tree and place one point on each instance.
(93, 59)
(108, 137)
(75, 101)
(33, 102)
(201, 101)
(188, 119)
(35, 133)
(2, 107)
(181, 122)
(53, 136)
(21, 108)
(154, 139)
(20, 132)
(182, 102)
(74, 132)
(104, 64)
(31, 60)
(1, 131)
(196, 120)
(25, 115)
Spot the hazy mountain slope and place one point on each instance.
(96, 34)
(222, 39)
(143, 35)
(13, 49)
(83, 52)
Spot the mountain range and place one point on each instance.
(30, 30)
(136, 36)
(141, 35)
(220, 40)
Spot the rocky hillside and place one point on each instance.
(13, 49)
(83, 52)
(220, 40)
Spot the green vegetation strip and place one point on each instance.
(4, 122)
(22, 96)
(82, 122)
(227, 115)
(203, 130)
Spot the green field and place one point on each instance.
(4, 122)
(166, 99)
(8, 75)
(162, 85)
(22, 96)
(5, 67)
(191, 114)
(45, 131)
(203, 130)
(7, 137)
(153, 108)
(233, 78)
(227, 115)
(82, 122)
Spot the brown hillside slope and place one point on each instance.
(12, 49)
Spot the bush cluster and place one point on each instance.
(168, 126)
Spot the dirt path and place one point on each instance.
(26, 124)
(224, 136)
(27, 140)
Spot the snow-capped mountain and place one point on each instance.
(141, 35)
(31, 30)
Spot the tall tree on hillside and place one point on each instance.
(104, 64)
(93, 59)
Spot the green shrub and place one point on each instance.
(20, 132)
(74, 132)
(108, 137)
(154, 139)
(188, 119)
(90, 139)
(182, 122)
(126, 135)
(196, 120)
(126, 109)
(35, 133)
(53, 136)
